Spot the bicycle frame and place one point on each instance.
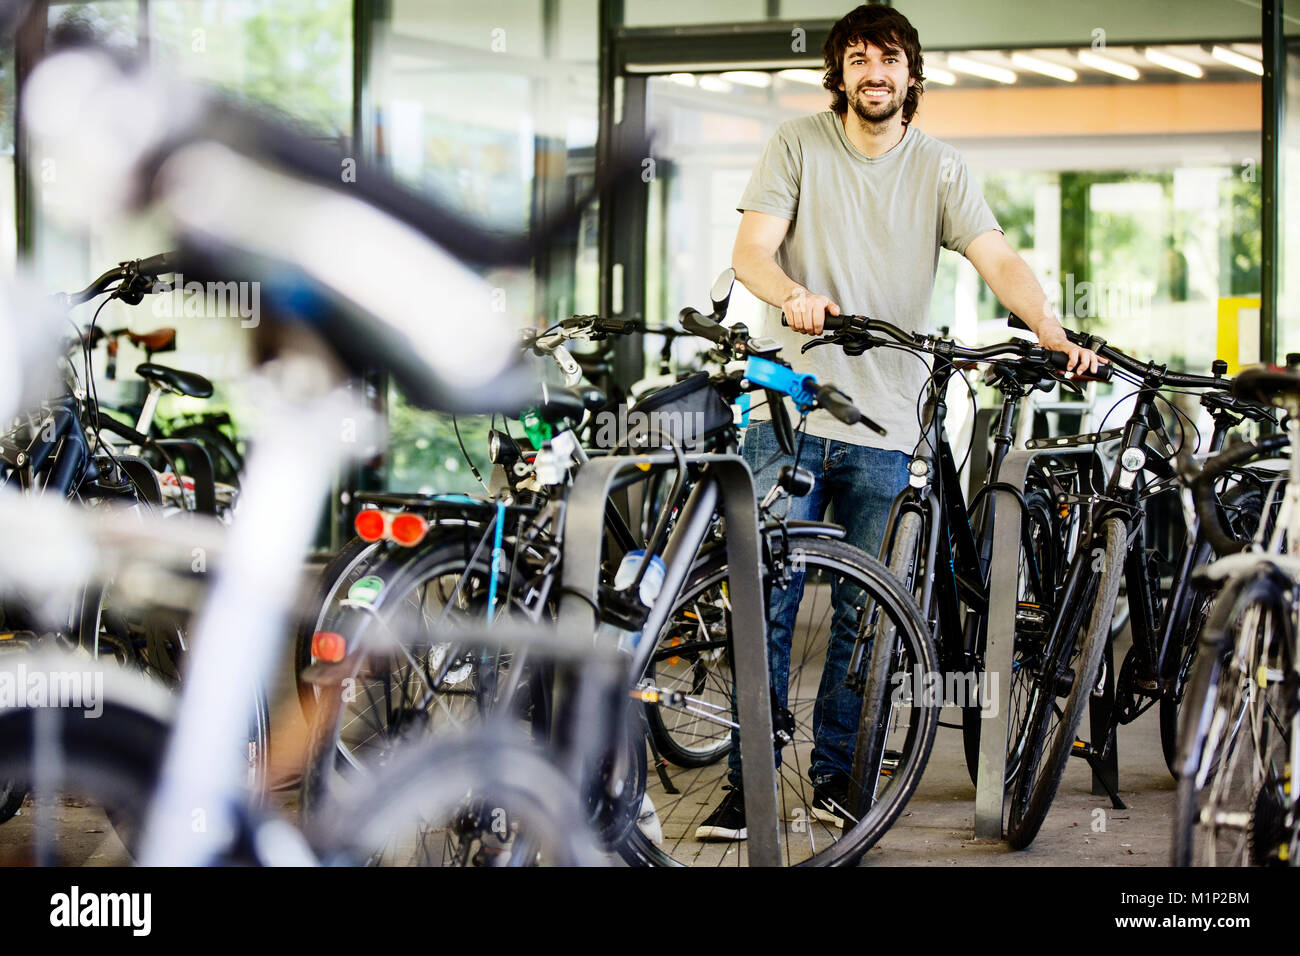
(958, 565)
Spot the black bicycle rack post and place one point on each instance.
(584, 534)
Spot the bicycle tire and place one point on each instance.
(12, 795)
(700, 787)
(403, 573)
(227, 464)
(1245, 506)
(440, 781)
(696, 663)
(1050, 556)
(152, 643)
(1218, 728)
(1033, 793)
(111, 761)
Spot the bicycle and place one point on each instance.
(1077, 641)
(1236, 804)
(939, 544)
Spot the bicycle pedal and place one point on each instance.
(1031, 617)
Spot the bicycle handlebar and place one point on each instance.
(823, 394)
(1132, 365)
(864, 326)
(1202, 482)
(129, 271)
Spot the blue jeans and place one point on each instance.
(858, 484)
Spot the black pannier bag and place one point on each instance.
(691, 414)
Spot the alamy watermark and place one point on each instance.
(1101, 300)
(36, 688)
(949, 688)
(638, 429)
(242, 300)
(133, 911)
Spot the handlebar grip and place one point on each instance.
(615, 326)
(1104, 373)
(1059, 360)
(1207, 507)
(164, 262)
(833, 323)
(1016, 322)
(841, 406)
(701, 325)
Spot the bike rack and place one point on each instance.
(1004, 574)
(584, 535)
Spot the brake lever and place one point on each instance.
(1066, 381)
(853, 343)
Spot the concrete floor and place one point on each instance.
(1081, 829)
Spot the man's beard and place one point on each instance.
(876, 113)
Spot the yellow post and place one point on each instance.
(1238, 339)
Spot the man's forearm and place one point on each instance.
(1018, 289)
(757, 270)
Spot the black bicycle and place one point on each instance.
(1069, 670)
(940, 545)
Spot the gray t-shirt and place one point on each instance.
(867, 233)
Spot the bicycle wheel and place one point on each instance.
(1045, 550)
(485, 800)
(1243, 507)
(400, 681)
(1070, 667)
(676, 801)
(332, 585)
(1234, 780)
(693, 658)
(85, 766)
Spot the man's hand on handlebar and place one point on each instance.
(1082, 361)
(806, 312)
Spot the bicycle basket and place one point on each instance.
(690, 413)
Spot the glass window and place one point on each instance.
(293, 55)
(491, 110)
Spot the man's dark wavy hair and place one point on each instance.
(883, 27)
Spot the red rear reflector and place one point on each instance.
(370, 524)
(408, 529)
(328, 646)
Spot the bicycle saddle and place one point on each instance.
(187, 383)
(1267, 384)
(159, 340)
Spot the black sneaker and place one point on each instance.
(727, 822)
(829, 801)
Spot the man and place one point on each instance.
(846, 211)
